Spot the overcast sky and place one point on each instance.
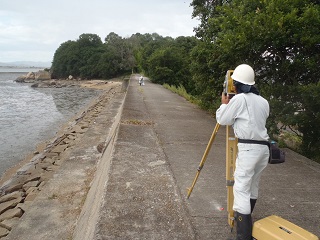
(32, 30)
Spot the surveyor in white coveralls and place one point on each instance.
(247, 112)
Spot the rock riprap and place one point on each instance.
(20, 190)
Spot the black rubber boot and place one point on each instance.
(252, 203)
(244, 226)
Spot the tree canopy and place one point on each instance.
(88, 57)
(281, 41)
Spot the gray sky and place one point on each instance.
(32, 30)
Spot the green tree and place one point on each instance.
(120, 54)
(64, 60)
(109, 63)
(154, 42)
(163, 65)
(185, 46)
(137, 42)
(280, 39)
(308, 120)
(167, 60)
(207, 88)
(77, 58)
(90, 50)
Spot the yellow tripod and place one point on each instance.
(231, 154)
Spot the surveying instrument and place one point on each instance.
(269, 228)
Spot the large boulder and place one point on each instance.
(21, 78)
(31, 76)
(42, 75)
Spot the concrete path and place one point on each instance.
(160, 143)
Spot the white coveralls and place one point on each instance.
(141, 81)
(247, 112)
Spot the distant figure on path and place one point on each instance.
(141, 81)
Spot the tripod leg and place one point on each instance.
(231, 155)
(204, 158)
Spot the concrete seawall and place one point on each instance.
(90, 211)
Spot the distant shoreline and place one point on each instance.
(19, 69)
(25, 64)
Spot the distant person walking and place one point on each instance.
(141, 81)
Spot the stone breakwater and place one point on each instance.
(17, 193)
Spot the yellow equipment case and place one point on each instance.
(277, 228)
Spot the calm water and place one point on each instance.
(29, 116)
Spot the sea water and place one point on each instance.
(29, 116)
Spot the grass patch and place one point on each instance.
(53, 196)
(137, 122)
(183, 93)
(140, 89)
(291, 140)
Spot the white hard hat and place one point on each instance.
(243, 74)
